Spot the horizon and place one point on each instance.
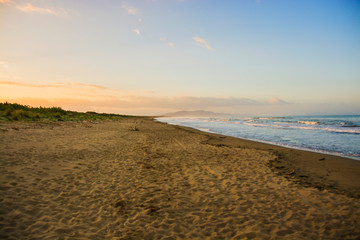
(151, 57)
(252, 115)
(219, 114)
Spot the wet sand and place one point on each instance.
(109, 180)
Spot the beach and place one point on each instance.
(142, 179)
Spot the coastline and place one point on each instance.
(109, 179)
(333, 135)
(332, 172)
(272, 143)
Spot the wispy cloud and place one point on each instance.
(4, 64)
(29, 8)
(77, 84)
(54, 85)
(10, 77)
(276, 101)
(15, 90)
(130, 9)
(6, 1)
(149, 99)
(163, 39)
(203, 42)
(137, 31)
(85, 97)
(16, 84)
(138, 104)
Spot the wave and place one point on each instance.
(309, 122)
(288, 126)
(204, 129)
(269, 118)
(331, 135)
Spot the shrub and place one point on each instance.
(17, 112)
(19, 115)
(8, 112)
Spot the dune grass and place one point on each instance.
(18, 112)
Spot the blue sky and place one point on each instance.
(152, 57)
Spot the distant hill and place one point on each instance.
(199, 113)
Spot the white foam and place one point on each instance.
(309, 122)
(330, 129)
(321, 130)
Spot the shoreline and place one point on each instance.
(336, 135)
(274, 144)
(332, 172)
(143, 179)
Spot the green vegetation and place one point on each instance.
(18, 112)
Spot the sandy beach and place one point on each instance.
(107, 180)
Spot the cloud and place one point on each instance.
(128, 105)
(202, 41)
(10, 77)
(149, 98)
(77, 84)
(137, 31)
(163, 39)
(190, 102)
(54, 85)
(130, 9)
(276, 101)
(86, 97)
(4, 65)
(6, 1)
(13, 90)
(32, 9)
(133, 103)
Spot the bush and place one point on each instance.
(17, 112)
(8, 112)
(19, 115)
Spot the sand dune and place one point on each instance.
(106, 181)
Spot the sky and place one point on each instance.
(150, 57)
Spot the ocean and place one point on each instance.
(337, 135)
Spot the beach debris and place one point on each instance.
(134, 127)
(292, 172)
(321, 159)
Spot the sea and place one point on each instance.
(336, 135)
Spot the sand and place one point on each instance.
(103, 180)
